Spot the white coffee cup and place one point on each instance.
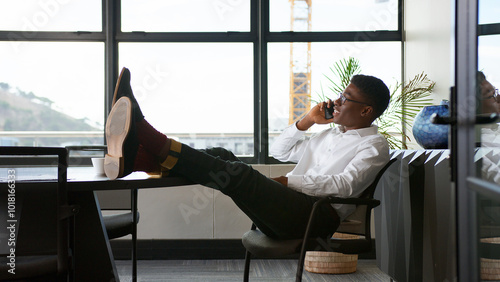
(98, 164)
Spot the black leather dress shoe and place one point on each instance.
(123, 89)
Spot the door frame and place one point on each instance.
(463, 137)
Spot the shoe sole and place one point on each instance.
(117, 129)
(117, 86)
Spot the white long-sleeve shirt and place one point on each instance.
(490, 152)
(332, 162)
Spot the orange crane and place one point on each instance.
(300, 62)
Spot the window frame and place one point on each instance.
(259, 35)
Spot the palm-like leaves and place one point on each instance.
(406, 101)
(344, 70)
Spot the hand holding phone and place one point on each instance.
(328, 111)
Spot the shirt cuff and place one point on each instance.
(295, 131)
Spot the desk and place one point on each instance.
(82, 182)
(79, 179)
(92, 252)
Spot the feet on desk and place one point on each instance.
(121, 139)
(133, 144)
(123, 89)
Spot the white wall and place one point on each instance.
(429, 43)
(194, 212)
(429, 46)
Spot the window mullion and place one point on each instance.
(261, 26)
(111, 26)
(336, 36)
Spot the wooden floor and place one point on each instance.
(232, 270)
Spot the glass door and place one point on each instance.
(475, 138)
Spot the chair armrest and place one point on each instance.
(371, 203)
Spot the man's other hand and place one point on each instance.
(281, 179)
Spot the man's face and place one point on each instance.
(350, 113)
(488, 101)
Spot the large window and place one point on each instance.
(185, 15)
(334, 15)
(200, 93)
(489, 41)
(210, 73)
(33, 16)
(387, 67)
(51, 93)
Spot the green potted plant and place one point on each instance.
(406, 100)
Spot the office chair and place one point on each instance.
(258, 244)
(39, 213)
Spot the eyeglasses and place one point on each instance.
(343, 98)
(495, 95)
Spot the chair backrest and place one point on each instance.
(36, 211)
(359, 221)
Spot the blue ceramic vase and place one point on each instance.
(427, 134)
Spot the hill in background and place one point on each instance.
(21, 111)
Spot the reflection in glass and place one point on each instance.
(488, 153)
(201, 93)
(488, 81)
(488, 11)
(489, 103)
(489, 234)
(489, 57)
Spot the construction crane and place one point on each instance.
(300, 62)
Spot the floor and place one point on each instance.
(232, 270)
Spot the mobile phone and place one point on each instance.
(328, 111)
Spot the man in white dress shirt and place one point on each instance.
(339, 161)
(489, 98)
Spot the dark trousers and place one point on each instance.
(276, 210)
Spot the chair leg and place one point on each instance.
(300, 266)
(246, 275)
(134, 257)
(134, 235)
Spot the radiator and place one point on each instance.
(415, 223)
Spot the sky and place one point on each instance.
(208, 87)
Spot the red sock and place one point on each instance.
(145, 161)
(151, 139)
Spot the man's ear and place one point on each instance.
(367, 111)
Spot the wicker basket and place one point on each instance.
(490, 268)
(331, 262)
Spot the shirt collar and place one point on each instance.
(362, 132)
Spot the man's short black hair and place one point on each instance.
(480, 77)
(374, 90)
